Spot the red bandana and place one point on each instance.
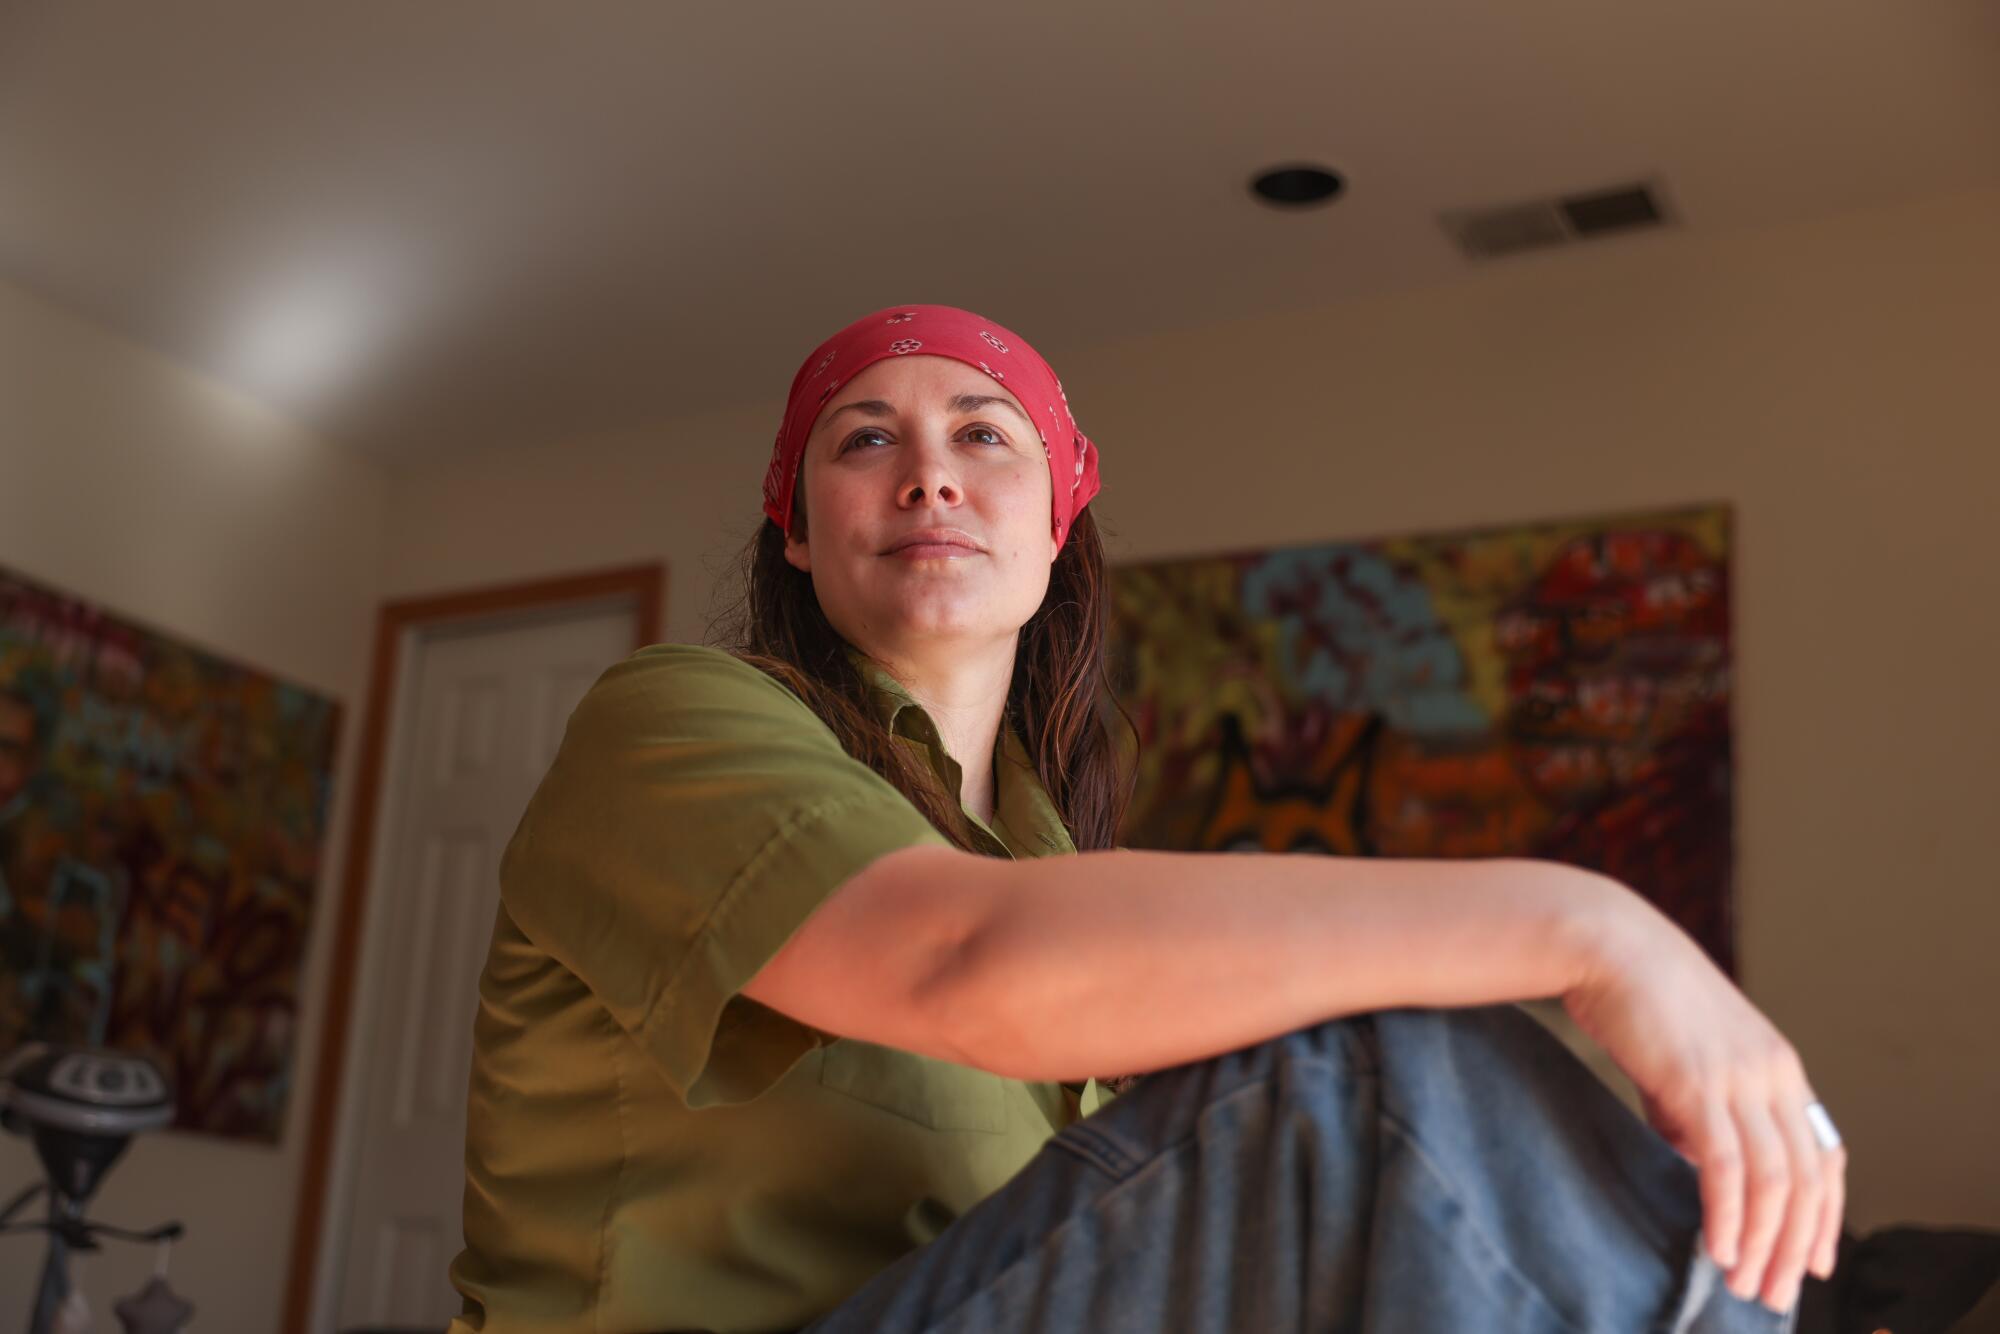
(944, 331)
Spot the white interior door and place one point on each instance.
(478, 721)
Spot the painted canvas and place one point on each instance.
(1557, 690)
(162, 813)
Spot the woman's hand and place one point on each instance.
(1726, 1089)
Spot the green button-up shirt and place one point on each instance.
(647, 1149)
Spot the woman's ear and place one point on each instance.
(797, 553)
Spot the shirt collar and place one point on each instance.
(887, 694)
(1021, 803)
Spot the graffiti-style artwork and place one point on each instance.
(161, 817)
(1556, 690)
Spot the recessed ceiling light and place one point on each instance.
(1298, 185)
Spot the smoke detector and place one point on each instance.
(1489, 233)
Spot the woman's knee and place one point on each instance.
(1498, 1041)
(1475, 1047)
(1330, 1062)
(1346, 1042)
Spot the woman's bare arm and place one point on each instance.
(1125, 961)
(1129, 961)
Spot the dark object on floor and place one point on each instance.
(1910, 1280)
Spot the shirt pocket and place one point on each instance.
(935, 1094)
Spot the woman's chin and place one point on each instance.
(940, 618)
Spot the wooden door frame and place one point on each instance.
(643, 584)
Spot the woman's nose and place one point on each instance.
(931, 477)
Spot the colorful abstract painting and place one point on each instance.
(162, 812)
(1557, 690)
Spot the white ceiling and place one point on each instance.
(424, 226)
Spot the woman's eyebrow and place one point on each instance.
(875, 407)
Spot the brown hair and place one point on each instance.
(1058, 696)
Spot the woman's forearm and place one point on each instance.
(1123, 961)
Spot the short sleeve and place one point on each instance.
(695, 815)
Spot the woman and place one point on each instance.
(791, 1008)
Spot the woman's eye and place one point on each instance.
(861, 436)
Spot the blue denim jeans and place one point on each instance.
(1404, 1172)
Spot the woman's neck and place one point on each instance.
(966, 698)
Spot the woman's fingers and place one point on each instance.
(1802, 1210)
(1726, 1090)
(1768, 1188)
(1827, 1245)
(1720, 1157)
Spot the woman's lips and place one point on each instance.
(933, 551)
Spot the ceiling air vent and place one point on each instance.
(1492, 232)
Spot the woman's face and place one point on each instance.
(921, 442)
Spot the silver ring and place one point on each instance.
(1822, 1125)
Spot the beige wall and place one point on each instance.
(1827, 379)
(130, 482)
